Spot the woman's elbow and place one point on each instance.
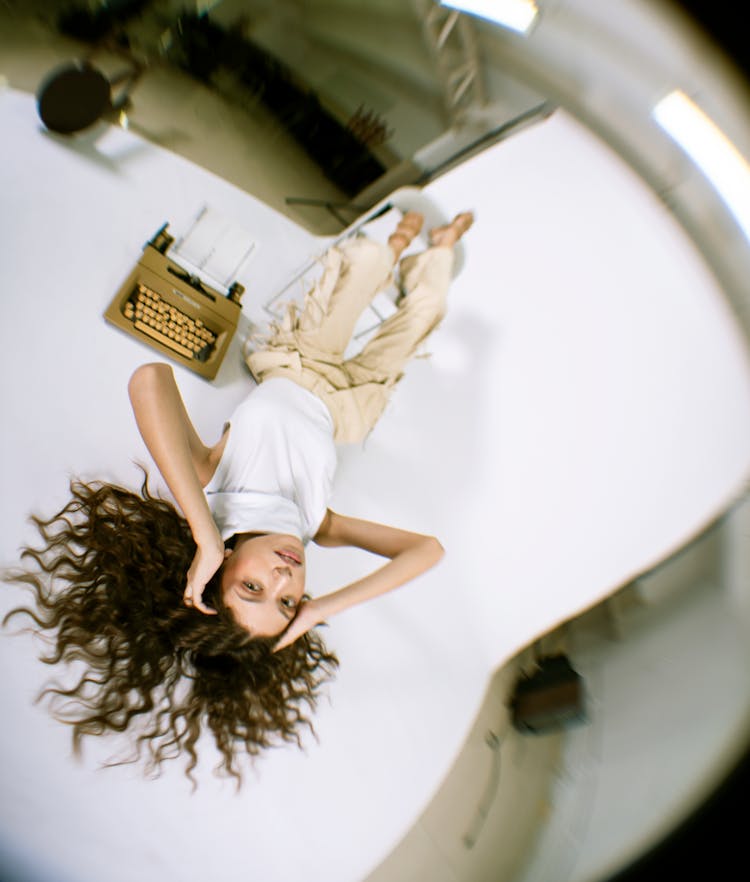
(145, 374)
(434, 549)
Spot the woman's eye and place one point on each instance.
(289, 602)
(251, 587)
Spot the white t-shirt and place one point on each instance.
(276, 472)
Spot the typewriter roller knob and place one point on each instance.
(235, 292)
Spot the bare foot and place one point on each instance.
(447, 236)
(408, 227)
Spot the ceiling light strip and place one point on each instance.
(710, 149)
(518, 15)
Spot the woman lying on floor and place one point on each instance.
(199, 614)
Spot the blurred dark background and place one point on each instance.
(725, 21)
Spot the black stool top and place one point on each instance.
(73, 97)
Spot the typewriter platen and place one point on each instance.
(176, 313)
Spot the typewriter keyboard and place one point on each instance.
(166, 324)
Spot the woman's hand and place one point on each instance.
(208, 558)
(310, 614)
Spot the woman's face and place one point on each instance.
(263, 581)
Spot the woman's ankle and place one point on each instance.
(407, 229)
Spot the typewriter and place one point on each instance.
(173, 311)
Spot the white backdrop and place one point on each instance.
(584, 413)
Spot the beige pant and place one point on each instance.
(308, 346)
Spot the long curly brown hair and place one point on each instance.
(107, 586)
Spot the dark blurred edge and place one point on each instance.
(712, 840)
(725, 22)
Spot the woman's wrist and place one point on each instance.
(325, 606)
(207, 536)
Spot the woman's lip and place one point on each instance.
(292, 555)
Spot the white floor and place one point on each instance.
(566, 434)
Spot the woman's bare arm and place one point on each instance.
(411, 554)
(182, 458)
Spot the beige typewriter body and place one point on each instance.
(162, 306)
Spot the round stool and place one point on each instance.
(73, 97)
